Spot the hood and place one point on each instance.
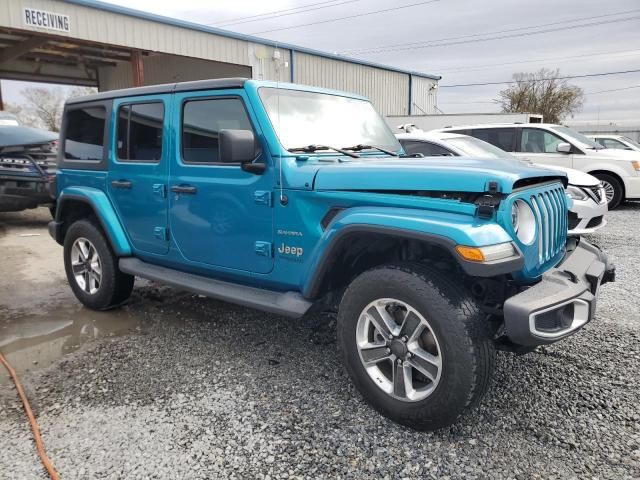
(14, 135)
(454, 174)
(614, 154)
(575, 177)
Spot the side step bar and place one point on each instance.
(290, 304)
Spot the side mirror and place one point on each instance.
(564, 147)
(239, 146)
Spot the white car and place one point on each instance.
(550, 144)
(589, 205)
(619, 142)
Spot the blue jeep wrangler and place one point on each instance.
(289, 199)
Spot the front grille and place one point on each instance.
(550, 209)
(594, 222)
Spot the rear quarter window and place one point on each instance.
(503, 138)
(84, 134)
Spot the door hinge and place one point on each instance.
(160, 189)
(161, 233)
(263, 197)
(264, 249)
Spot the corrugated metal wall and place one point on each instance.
(126, 31)
(265, 66)
(169, 69)
(389, 91)
(423, 96)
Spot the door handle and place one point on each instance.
(126, 184)
(184, 189)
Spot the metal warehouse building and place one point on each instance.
(85, 42)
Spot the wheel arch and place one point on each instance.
(616, 175)
(349, 248)
(76, 203)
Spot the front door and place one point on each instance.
(138, 170)
(220, 215)
(540, 146)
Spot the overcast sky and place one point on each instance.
(448, 38)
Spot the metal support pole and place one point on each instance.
(137, 68)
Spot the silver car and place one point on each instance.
(589, 198)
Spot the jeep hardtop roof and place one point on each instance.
(218, 83)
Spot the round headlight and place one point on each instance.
(514, 216)
(524, 221)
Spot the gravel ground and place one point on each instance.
(212, 390)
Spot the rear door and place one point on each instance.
(138, 170)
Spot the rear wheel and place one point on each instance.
(613, 189)
(415, 345)
(92, 268)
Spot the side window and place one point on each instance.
(502, 138)
(539, 141)
(84, 134)
(427, 149)
(139, 130)
(201, 122)
(611, 143)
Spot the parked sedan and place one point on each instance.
(589, 199)
(619, 142)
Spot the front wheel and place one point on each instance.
(415, 345)
(612, 188)
(92, 268)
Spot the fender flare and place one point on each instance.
(104, 211)
(446, 230)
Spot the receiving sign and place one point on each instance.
(46, 20)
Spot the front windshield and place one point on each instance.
(578, 137)
(474, 147)
(632, 142)
(307, 118)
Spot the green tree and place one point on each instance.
(542, 92)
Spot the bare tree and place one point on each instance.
(43, 106)
(542, 92)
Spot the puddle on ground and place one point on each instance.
(33, 341)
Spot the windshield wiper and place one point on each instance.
(316, 148)
(359, 148)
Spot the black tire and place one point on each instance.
(618, 188)
(52, 211)
(468, 353)
(115, 286)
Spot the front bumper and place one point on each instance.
(586, 216)
(562, 302)
(632, 187)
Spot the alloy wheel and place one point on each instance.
(86, 265)
(608, 190)
(399, 349)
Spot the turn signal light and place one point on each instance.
(636, 165)
(472, 254)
